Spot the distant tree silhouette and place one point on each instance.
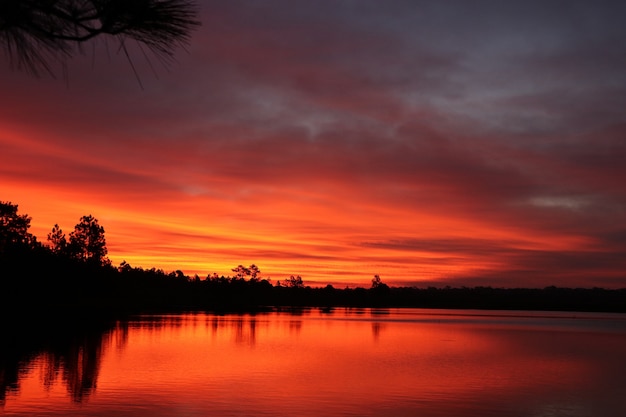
(294, 282)
(241, 272)
(376, 281)
(124, 267)
(57, 241)
(14, 228)
(35, 33)
(87, 242)
(378, 285)
(254, 273)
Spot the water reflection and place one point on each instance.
(68, 351)
(245, 331)
(377, 327)
(319, 362)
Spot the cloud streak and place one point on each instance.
(428, 143)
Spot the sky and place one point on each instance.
(434, 143)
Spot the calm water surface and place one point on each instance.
(347, 362)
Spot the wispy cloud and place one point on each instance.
(426, 142)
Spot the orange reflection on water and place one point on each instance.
(348, 361)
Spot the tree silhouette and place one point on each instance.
(35, 33)
(255, 273)
(376, 281)
(294, 282)
(241, 272)
(378, 284)
(57, 240)
(87, 242)
(13, 227)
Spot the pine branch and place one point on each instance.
(35, 33)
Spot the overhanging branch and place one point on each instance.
(35, 33)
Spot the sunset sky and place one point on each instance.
(431, 142)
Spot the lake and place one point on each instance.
(312, 362)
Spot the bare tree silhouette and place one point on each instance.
(36, 33)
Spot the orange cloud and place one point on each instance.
(336, 146)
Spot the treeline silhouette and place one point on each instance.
(73, 275)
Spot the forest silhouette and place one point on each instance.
(73, 275)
